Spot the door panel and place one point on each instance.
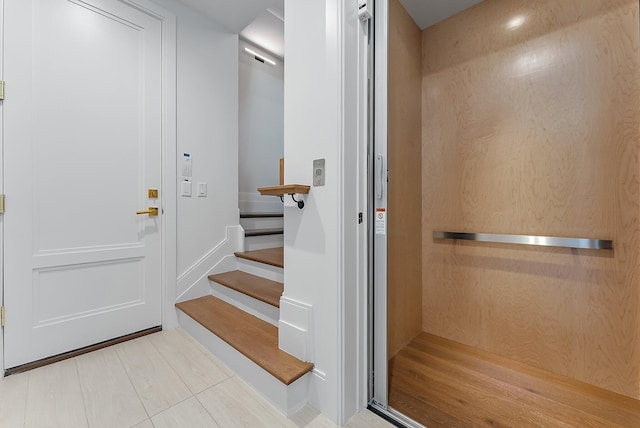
(94, 57)
(404, 239)
(89, 296)
(82, 146)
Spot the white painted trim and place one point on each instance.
(194, 282)
(294, 329)
(361, 294)
(170, 224)
(352, 251)
(2, 189)
(169, 144)
(288, 399)
(202, 286)
(318, 392)
(379, 393)
(335, 50)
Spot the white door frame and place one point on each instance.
(169, 158)
(353, 326)
(2, 186)
(169, 144)
(378, 395)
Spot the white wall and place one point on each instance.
(207, 129)
(261, 128)
(322, 240)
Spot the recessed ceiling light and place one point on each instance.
(259, 57)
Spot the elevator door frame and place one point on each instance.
(378, 176)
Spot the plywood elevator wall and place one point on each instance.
(404, 238)
(531, 125)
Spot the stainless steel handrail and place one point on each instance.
(546, 241)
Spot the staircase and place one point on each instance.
(238, 323)
(262, 230)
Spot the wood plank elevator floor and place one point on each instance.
(441, 383)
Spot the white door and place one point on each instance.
(82, 118)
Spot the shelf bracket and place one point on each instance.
(300, 202)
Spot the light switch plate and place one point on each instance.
(202, 190)
(318, 172)
(186, 188)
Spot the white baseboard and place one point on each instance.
(194, 282)
(321, 395)
(294, 329)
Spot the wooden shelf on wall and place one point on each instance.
(286, 189)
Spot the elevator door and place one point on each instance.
(528, 130)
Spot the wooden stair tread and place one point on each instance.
(286, 189)
(269, 256)
(252, 337)
(264, 232)
(261, 215)
(259, 288)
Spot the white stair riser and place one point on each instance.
(255, 307)
(264, 241)
(273, 273)
(288, 399)
(262, 223)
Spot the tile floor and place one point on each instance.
(162, 380)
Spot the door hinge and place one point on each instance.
(1, 204)
(1, 89)
(2, 316)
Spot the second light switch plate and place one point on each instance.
(202, 190)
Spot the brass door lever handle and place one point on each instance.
(152, 211)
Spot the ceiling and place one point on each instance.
(428, 12)
(267, 30)
(260, 22)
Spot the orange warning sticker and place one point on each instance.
(381, 221)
